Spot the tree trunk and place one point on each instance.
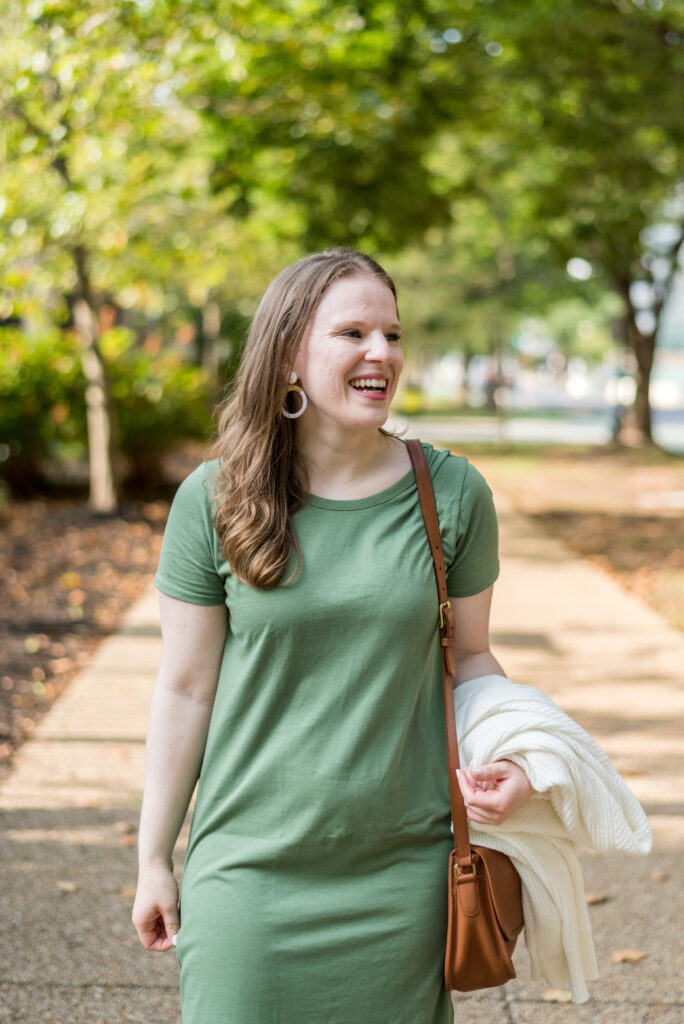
(103, 496)
(644, 350)
(467, 356)
(643, 347)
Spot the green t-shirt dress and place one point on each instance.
(314, 888)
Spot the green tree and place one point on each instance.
(171, 156)
(64, 86)
(590, 93)
(328, 110)
(104, 188)
(377, 123)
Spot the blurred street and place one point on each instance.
(574, 428)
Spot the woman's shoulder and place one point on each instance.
(467, 519)
(199, 486)
(451, 472)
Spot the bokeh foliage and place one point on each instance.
(159, 400)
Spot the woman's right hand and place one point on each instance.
(155, 911)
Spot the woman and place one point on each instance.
(301, 681)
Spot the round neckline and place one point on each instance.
(344, 504)
(348, 504)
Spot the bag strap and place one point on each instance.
(447, 631)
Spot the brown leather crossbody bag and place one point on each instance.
(485, 899)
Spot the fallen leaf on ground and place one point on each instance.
(125, 827)
(557, 995)
(593, 898)
(660, 876)
(69, 579)
(628, 956)
(65, 886)
(128, 841)
(58, 665)
(128, 892)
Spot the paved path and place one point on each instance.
(68, 811)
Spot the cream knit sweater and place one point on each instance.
(583, 802)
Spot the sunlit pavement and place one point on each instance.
(617, 668)
(68, 952)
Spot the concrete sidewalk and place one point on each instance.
(68, 952)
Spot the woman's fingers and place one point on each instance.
(479, 818)
(466, 784)
(492, 773)
(156, 933)
(171, 926)
(477, 801)
(155, 911)
(152, 933)
(475, 796)
(494, 791)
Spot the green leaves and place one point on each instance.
(191, 150)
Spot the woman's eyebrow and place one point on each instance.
(394, 326)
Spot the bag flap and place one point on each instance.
(504, 885)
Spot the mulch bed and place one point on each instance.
(66, 578)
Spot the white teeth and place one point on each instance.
(368, 382)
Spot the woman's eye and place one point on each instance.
(354, 332)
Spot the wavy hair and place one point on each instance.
(261, 481)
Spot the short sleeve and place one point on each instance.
(475, 562)
(187, 565)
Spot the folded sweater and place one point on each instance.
(582, 801)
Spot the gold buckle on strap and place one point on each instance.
(443, 605)
(460, 870)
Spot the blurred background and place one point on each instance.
(518, 168)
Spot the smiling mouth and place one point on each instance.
(369, 385)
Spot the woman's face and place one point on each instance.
(350, 357)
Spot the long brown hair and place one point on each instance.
(260, 480)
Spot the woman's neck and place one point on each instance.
(345, 469)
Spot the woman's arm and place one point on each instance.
(473, 656)
(193, 640)
(494, 791)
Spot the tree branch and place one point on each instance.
(57, 159)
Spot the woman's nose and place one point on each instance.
(378, 347)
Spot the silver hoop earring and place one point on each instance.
(295, 387)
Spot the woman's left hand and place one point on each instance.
(494, 791)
